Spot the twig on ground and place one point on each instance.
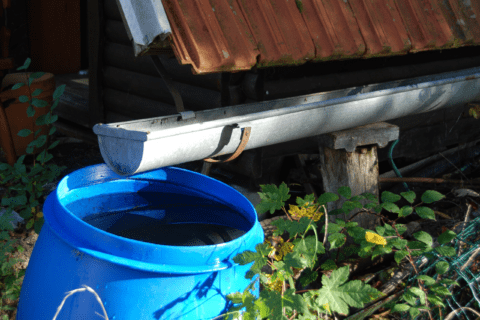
(452, 314)
(326, 225)
(467, 219)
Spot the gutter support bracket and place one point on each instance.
(177, 98)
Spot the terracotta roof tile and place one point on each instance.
(233, 35)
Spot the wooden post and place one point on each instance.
(96, 40)
(349, 158)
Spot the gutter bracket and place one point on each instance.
(177, 98)
(243, 143)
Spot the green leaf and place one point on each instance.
(30, 224)
(328, 265)
(17, 86)
(36, 92)
(14, 201)
(258, 257)
(351, 224)
(52, 130)
(292, 227)
(24, 132)
(405, 211)
(20, 159)
(308, 276)
(308, 198)
(370, 196)
(401, 228)
(340, 295)
(425, 213)
(431, 196)
(391, 207)
(445, 251)
(409, 196)
(345, 192)
(409, 298)
(446, 237)
(337, 240)
(399, 255)
(52, 118)
(400, 308)
(428, 280)
(272, 197)
(59, 91)
(30, 111)
(449, 282)
(424, 237)
(379, 250)
(38, 225)
(442, 267)
(41, 120)
(356, 232)
(399, 243)
(25, 65)
(327, 197)
(53, 145)
(380, 230)
(23, 99)
(437, 301)
(54, 104)
(388, 196)
(418, 292)
(332, 228)
(414, 312)
(36, 75)
(440, 290)
(348, 206)
(39, 103)
(340, 222)
(306, 248)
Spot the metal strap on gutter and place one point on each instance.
(169, 82)
(243, 144)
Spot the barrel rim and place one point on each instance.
(67, 226)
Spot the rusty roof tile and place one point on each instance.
(381, 26)
(333, 28)
(233, 35)
(210, 37)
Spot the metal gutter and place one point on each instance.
(142, 145)
(146, 23)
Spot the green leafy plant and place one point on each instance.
(24, 187)
(295, 256)
(25, 183)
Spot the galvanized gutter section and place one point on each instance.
(137, 146)
(146, 23)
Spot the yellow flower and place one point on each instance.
(279, 248)
(309, 211)
(375, 238)
(274, 285)
(327, 307)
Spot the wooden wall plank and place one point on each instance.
(154, 88)
(134, 106)
(111, 10)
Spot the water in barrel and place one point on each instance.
(189, 222)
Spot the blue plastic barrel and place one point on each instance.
(101, 231)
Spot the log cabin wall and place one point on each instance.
(126, 88)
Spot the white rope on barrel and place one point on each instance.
(85, 288)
